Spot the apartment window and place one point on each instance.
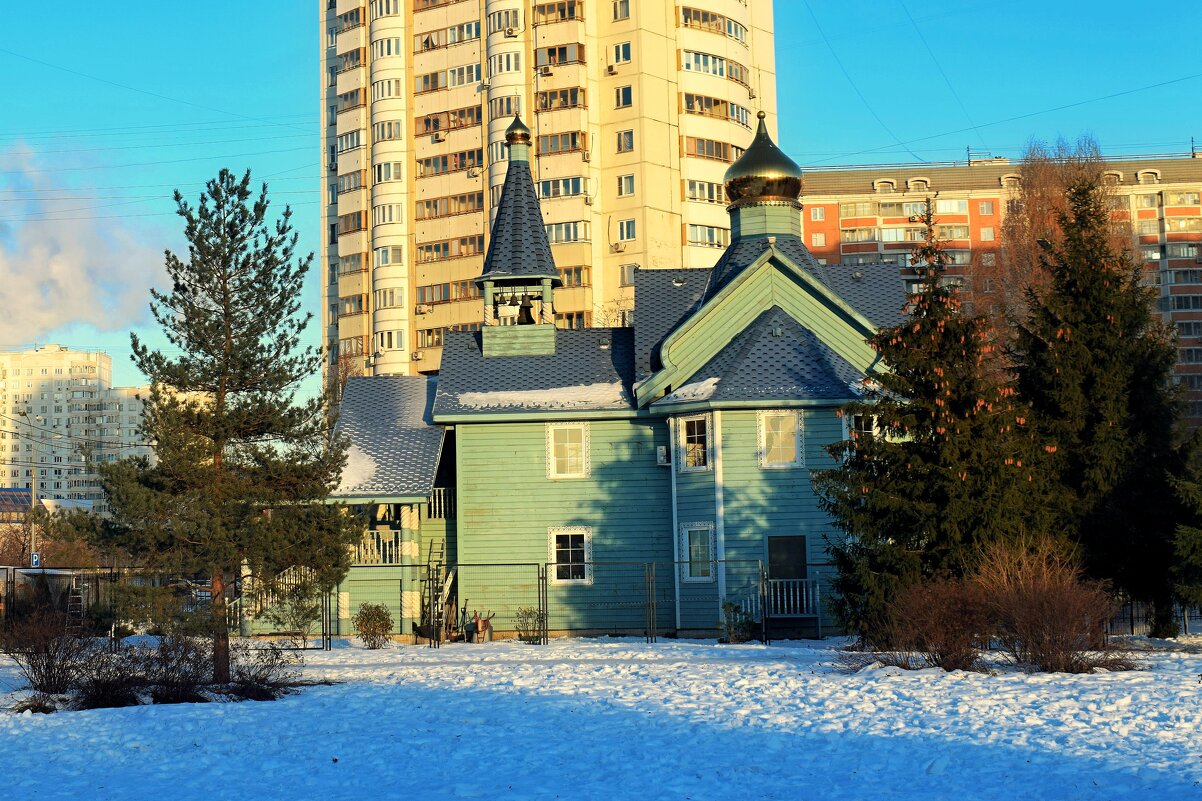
(387, 213)
(445, 37)
(692, 61)
(987, 234)
(857, 209)
(450, 248)
(622, 53)
(562, 187)
(623, 97)
(350, 223)
(1150, 253)
(697, 550)
(716, 107)
(572, 97)
(985, 208)
(626, 230)
(1148, 176)
(568, 450)
(1182, 250)
(817, 213)
(389, 298)
(1190, 355)
(503, 107)
(577, 231)
(625, 185)
(621, 9)
(625, 141)
(694, 443)
(389, 256)
(818, 239)
(1181, 199)
(706, 191)
(450, 206)
(466, 75)
(430, 337)
(711, 149)
(952, 231)
(780, 439)
(1147, 201)
(574, 276)
(948, 206)
(547, 13)
(626, 274)
(454, 162)
(430, 82)
(1183, 224)
(385, 131)
(504, 62)
(858, 235)
(352, 304)
(570, 550)
(502, 20)
(1148, 227)
(389, 340)
(562, 142)
(386, 171)
(710, 236)
(559, 54)
(988, 259)
(575, 321)
(351, 263)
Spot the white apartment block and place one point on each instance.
(636, 108)
(59, 415)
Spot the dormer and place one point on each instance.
(921, 184)
(1148, 176)
(1011, 180)
(1112, 178)
(884, 185)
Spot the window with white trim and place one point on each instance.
(697, 552)
(695, 443)
(570, 552)
(781, 438)
(568, 450)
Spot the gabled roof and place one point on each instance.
(773, 359)
(590, 371)
(394, 444)
(518, 246)
(663, 298)
(875, 291)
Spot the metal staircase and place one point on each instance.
(75, 610)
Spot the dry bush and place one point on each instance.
(263, 672)
(374, 624)
(48, 657)
(1046, 615)
(178, 669)
(941, 622)
(110, 679)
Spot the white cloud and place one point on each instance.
(59, 265)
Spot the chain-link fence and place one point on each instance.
(1135, 618)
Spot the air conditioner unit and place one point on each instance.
(423, 308)
(611, 69)
(751, 94)
(588, 200)
(333, 166)
(438, 137)
(585, 155)
(662, 457)
(545, 70)
(416, 356)
(511, 33)
(618, 247)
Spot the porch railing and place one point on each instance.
(792, 597)
(441, 505)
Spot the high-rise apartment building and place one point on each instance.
(856, 216)
(59, 415)
(636, 108)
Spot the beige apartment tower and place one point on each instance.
(636, 108)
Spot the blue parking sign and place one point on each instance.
(35, 559)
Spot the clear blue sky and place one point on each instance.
(106, 113)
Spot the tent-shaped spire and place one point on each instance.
(518, 248)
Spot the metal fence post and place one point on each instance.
(544, 603)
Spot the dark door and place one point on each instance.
(787, 557)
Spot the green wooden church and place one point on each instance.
(622, 478)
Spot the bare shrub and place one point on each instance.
(374, 624)
(110, 679)
(48, 657)
(38, 704)
(941, 621)
(737, 624)
(1046, 615)
(296, 610)
(178, 669)
(529, 623)
(263, 672)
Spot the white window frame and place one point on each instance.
(552, 533)
(586, 467)
(686, 562)
(625, 185)
(817, 213)
(682, 445)
(799, 460)
(627, 230)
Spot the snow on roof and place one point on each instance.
(697, 390)
(360, 470)
(554, 398)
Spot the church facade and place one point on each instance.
(665, 465)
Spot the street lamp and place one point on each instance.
(38, 444)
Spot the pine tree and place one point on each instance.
(1095, 365)
(945, 466)
(242, 465)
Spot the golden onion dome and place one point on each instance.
(517, 132)
(763, 172)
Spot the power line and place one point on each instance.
(153, 163)
(852, 83)
(122, 216)
(157, 186)
(155, 128)
(145, 145)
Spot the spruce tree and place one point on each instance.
(1095, 363)
(946, 464)
(242, 464)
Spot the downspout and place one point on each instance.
(675, 518)
(719, 512)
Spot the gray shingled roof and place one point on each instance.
(591, 370)
(663, 299)
(877, 292)
(773, 359)
(395, 445)
(518, 246)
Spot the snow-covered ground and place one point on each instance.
(618, 719)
